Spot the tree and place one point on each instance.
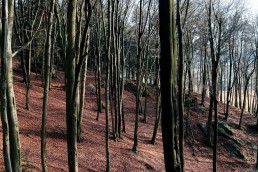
(158, 108)
(108, 40)
(11, 104)
(8, 104)
(71, 89)
(26, 29)
(82, 49)
(215, 56)
(248, 68)
(180, 83)
(140, 57)
(75, 58)
(47, 76)
(4, 118)
(168, 80)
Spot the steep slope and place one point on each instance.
(92, 149)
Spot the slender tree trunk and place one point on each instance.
(244, 101)
(99, 83)
(204, 80)
(122, 87)
(5, 125)
(229, 83)
(46, 85)
(180, 88)
(221, 83)
(209, 123)
(11, 104)
(61, 32)
(214, 97)
(236, 93)
(248, 100)
(122, 91)
(82, 99)
(158, 114)
(28, 84)
(145, 104)
(215, 62)
(108, 40)
(107, 114)
(240, 92)
(138, 91)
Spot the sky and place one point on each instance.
(252, 6)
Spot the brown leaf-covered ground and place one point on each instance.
(91, 151)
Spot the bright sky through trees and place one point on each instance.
(252, 6)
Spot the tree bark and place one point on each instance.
(168, 80)
(71, 104)
(46, 85)
(215, 62)
(180, 88)
(82, 95)
(108, 40)
(4, 119)
(158, 114)
(11, 104)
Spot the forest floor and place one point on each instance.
(91, 152)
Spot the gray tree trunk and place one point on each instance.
(3, 82)
(46, 85)
(11, 104)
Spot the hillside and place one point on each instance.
(91, 151)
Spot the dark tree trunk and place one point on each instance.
(244, 101)
(158, 109)
(180, 89)
(204, 79)
(215, 62)
(46, 85)
(168, 80)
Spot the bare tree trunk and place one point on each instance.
(158, 110)
(244, 101)
(168, 80)
(71, 104)
(46, 85)
(204, 78)
(99, 83)
(122, 86)
(230, 86)
(11, 104)
(28, 84)
(4, 119)
(82, 97)
(107, 46)
(240, 91)
(138, 91)
(180, 89)
(215, 62)
(236, 93)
